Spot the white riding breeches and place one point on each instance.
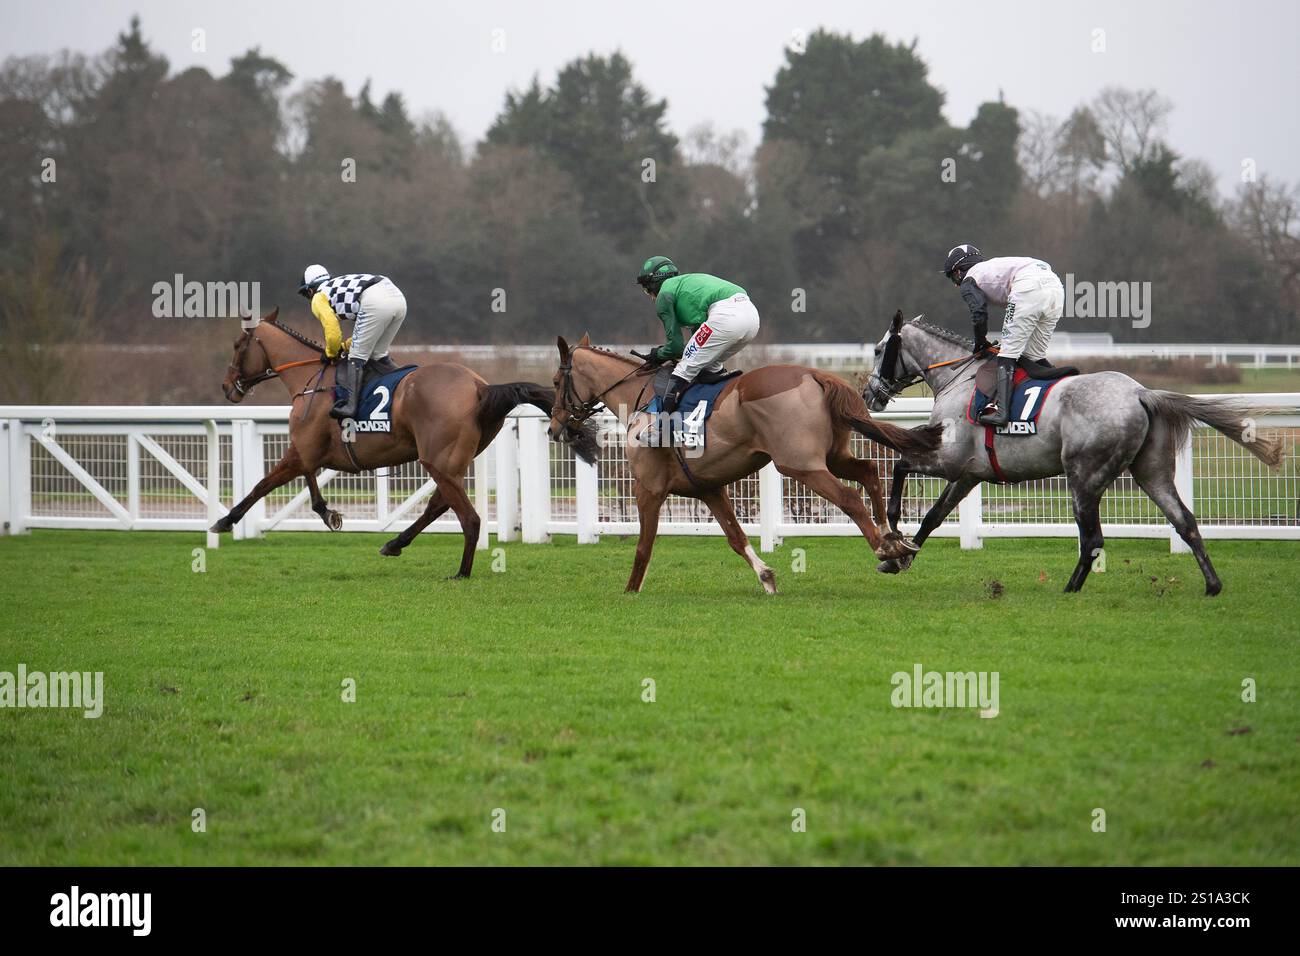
(731, 325)
(1033, 309)
(382, 309)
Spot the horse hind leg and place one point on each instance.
(333, 519)
(720, 504)
(829, 487)
(436, 505)
(1087, 515)
(1153, 470)
(453, 490)
(867, 474)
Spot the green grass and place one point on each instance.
(522, 690)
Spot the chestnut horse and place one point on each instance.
(799, 418)
(442, 414)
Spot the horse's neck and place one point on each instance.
(933, 351)
(281, 349)
(603, 376)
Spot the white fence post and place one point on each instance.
(246, 470)
(507, 446)
(133, 475)
(534, 480)
(8, 475)
(586, 488)
(214, 481)
(970, 516)
(18, 498)
(770, 508)
(481, 499)
(1184, 485)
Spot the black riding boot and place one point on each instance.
(348, 378)
(676, 386)
(383, 365)
(998, 411)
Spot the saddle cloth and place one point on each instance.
(373, 411)
(687, 428)
(1028, 396)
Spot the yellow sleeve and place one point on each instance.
(320, 307)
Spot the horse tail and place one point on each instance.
(1231, 417)
(498, 401)
(849, 410)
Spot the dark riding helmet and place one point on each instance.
(961, 258)
(655, 271)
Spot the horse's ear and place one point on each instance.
(272, 315)
(586, 339)
(897, 322)
(563, 346)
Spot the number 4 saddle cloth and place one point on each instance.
(685, 428)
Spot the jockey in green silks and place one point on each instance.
(706, 321)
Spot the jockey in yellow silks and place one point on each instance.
(378, 308)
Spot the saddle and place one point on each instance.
(665, 373)
(377, 390)
(697, 404)
(986, 377)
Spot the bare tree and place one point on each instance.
(1267, 213)
(1131, 122)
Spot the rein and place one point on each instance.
(894, 385)
(579, 411)
(244, 386)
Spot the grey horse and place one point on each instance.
(1092, 427)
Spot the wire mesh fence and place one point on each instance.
(134, 473)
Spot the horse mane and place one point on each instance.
(612, 354)
(939, 332)
(296, 336)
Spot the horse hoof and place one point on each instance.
(457, 577)
(334, 521)
(892, 566)
(1212, 589)
(768, 578)
(390, 549)
(222, 526)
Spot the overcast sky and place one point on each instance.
(1230, 68)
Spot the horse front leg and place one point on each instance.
(333, 519)
(286, 470)
(648, 504)
(950, 498)
(897, 486)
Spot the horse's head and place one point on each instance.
(570, 417)
(893, 370)
(569, 409)
(249, 365)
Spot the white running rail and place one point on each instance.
(178, 468)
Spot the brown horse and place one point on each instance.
(443, 414)
(799, 418)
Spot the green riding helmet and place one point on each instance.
(655, 271)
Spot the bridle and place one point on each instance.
(567, 395)
(883, 387)
(244, 386)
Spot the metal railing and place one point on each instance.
(179, 468)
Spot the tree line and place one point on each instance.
(119, 173)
